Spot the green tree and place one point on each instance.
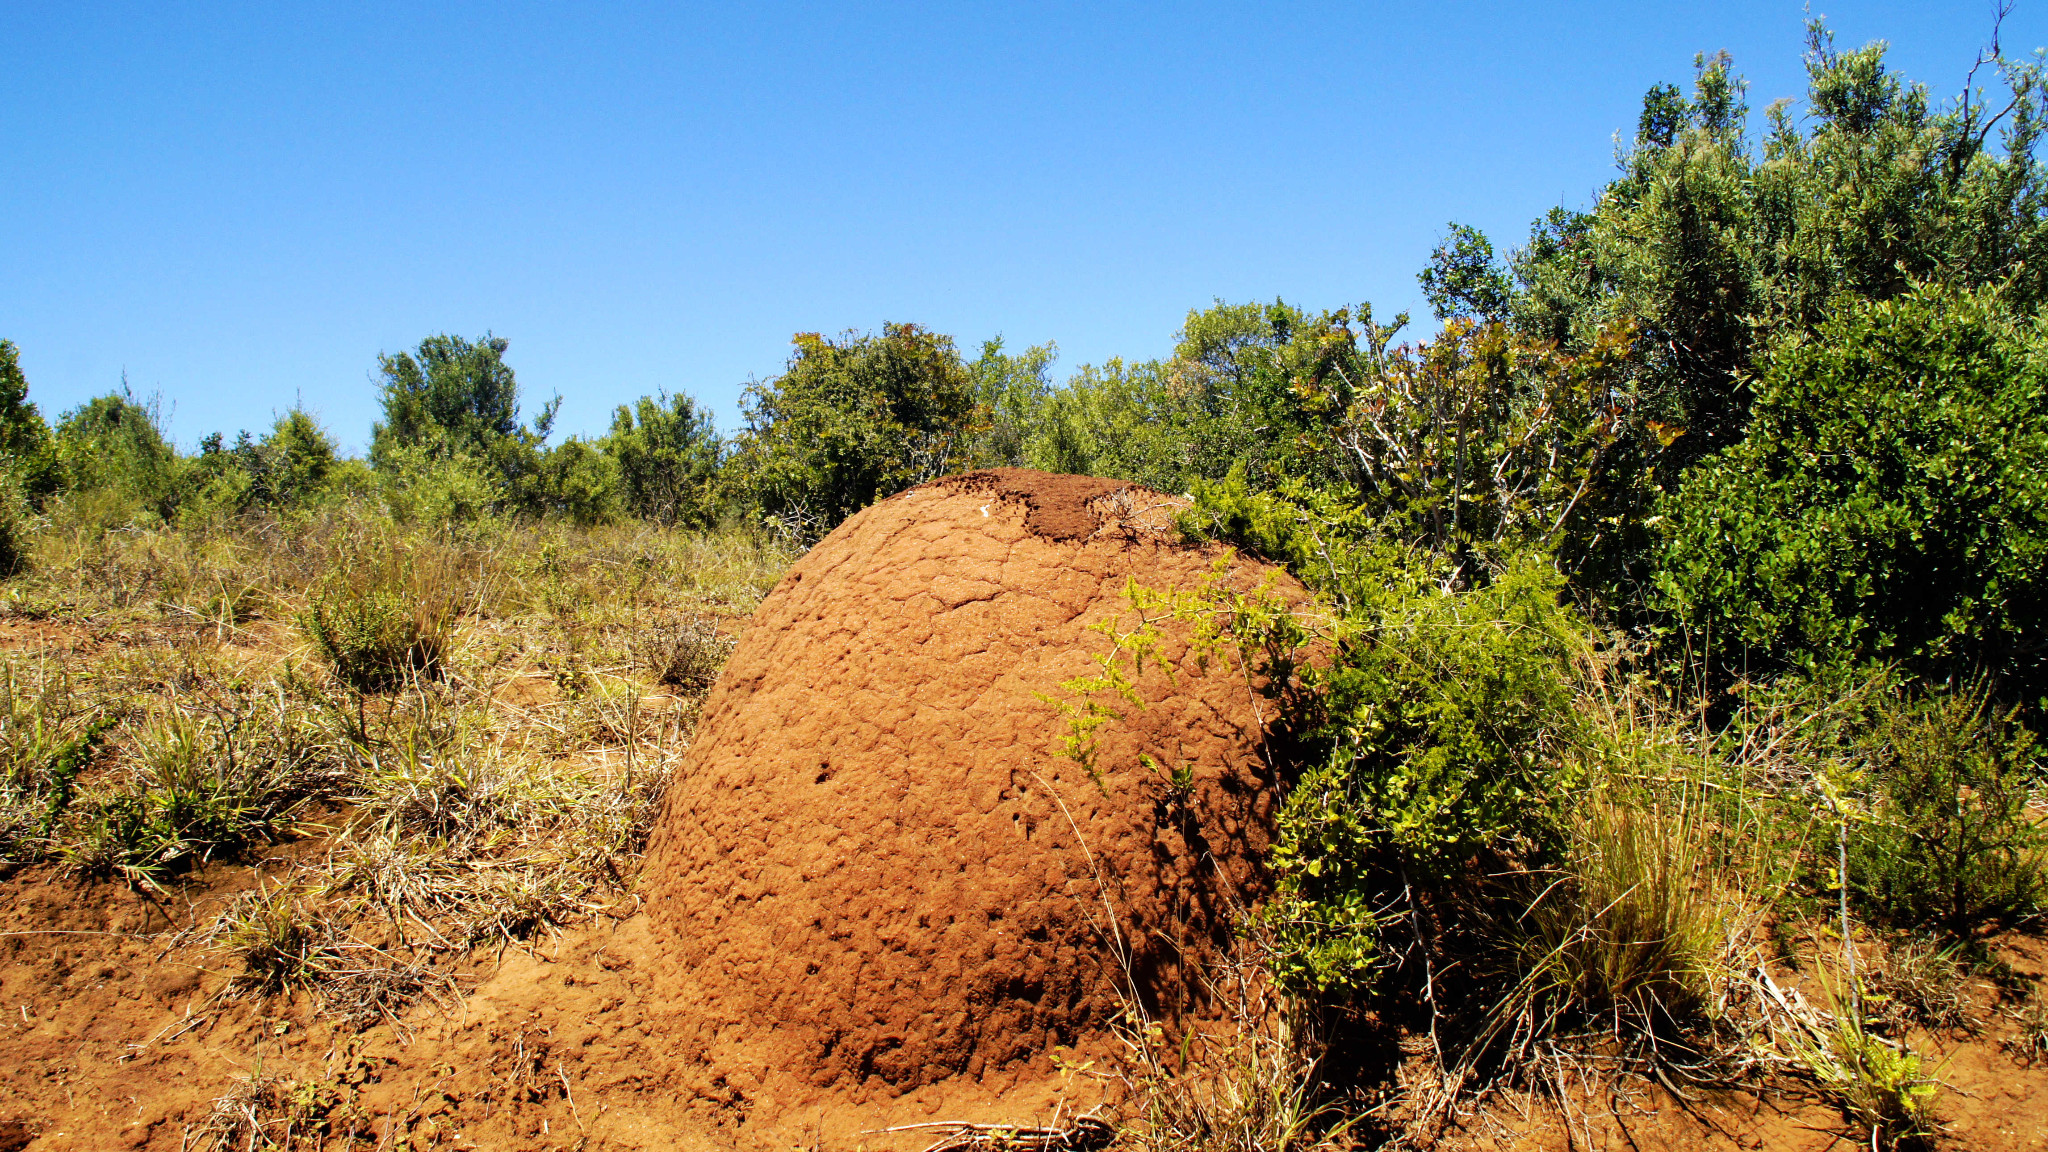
(668, 454)
(454, 403)
(27, 453)
(1464, 278)
(1011, 392)
(851, 421)
(293, 465)
(1712, 247)
(579, 479)
(115, 444)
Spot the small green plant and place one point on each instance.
(1947, 842)
(1880, 1086)
(278, 936)
(387, 623)
(196, 791)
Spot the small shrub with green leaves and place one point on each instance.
(1948, 842)
(387, 623)
(1431, 739)
(1880, 1086)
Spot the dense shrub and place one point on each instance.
(115, 445)
(294, 465)
(1435, 735)
(1889, 501)
(667, 454)
(851, 421)
(1948, 841)
(27, 455)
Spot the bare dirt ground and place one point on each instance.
(116, 1036)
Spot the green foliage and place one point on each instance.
(1253, 387)
(115, 444)
(47, 737)
(196, 792)
(1011, 394)
(578, 481)
(27, 455)
(1879, 1085)
(452, 405)
(1118, 420)
(1889, 502)
(851, 421)
(1464, 278)
(1947, 841)
(667, 454)
(385, 622)
(1480, 443)
(292, 466)
(1714, 249)
(1437, 731)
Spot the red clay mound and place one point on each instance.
(868, 875)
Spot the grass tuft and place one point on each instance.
(684, 652)
(389, 622)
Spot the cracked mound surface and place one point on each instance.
(875, 870)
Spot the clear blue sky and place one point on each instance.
(240, 205)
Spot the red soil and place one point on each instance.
(876, 871)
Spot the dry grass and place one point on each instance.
(2029, 1042)
(1253, 1089)
(193, 696)
(683, 652)
(1918, 984)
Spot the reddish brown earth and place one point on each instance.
(877, 871)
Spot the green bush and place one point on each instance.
(292, 466)
(1890, 501)
(27, 456)
(1948, 842)
(851, 421)
(115, 445)
(667, 455)
(386, 623)
(1435, 736)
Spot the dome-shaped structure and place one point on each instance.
(875, 869)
